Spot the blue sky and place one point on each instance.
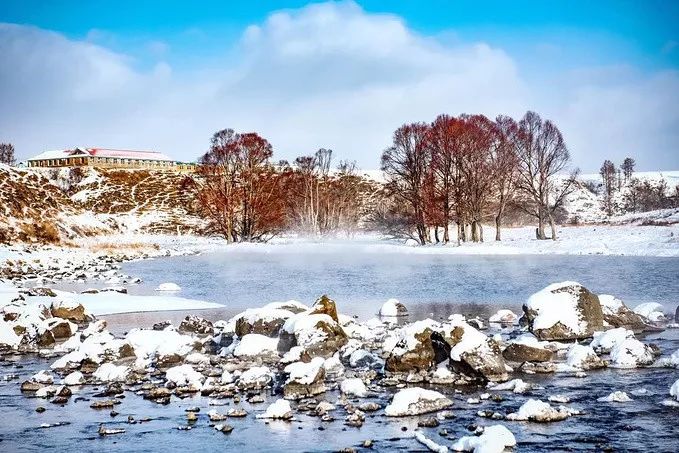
(165, 74)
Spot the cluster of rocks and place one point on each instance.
(300, 353)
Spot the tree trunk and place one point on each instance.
(436, 234)
(540, 232)
(475, 231)
(552, 226)
(498, 223)
(446, 237)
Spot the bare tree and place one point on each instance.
(405, 165)
(542, 155)
(505, 166)
(7, 154)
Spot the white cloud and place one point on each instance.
(327, 75)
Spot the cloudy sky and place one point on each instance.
(341, 75)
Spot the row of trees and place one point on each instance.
(248, 198)
(612, 178)
(463, 170)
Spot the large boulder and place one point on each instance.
(524, 352)
(70, 310)
(617, 314)
(304, 379)
(197, 325)
(262, 321)
(410, 348)
(315, 331)
(474, 353)
(416, 401)
(563, 311)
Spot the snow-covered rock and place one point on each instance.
(615, 397)
(8, 338)
(504, 316)
(527, 348)
(652, 311)
(280, 409)
(539, 411)
(563, 311)
(255, 378)
(606, 341)
(583, 357)
(494, 439)
(109, 372)
(631, 353)
(74, 378)
(415, 401)
(515, 385)
(354, 387)
(410, 347)
(304, 379)
(617, 314)
(263, 321)
(316, 331)
(255, 345)
(185, 375)
(393, 308)
(169, 286)
(43, 377)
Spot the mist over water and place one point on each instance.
(360, 277)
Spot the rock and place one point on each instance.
(563, 311)
(262, 321)
(104, 404)
(280, 409)
(617, 314)
(39, 291)
(304, 379)
(605, 341)
(631, 353)
(30, 386)
(473, 353)
(652, 311)
(354, 387)
(254, 345)
(197, 325)
(318, 334)
(495, 438)
(45, 338)
(539, 411)
(162, 325)
(107, 432)
(223, 427)
(393, 308)
(504, 316)
(584, 358)
(415, 401)
(237, 412)
(168, 287)
(255, 378)
(428, 422)
(355, 419)
(325, 306)
(70, 310)
(615, 397)
(61, 328)
(520, 352)
(369, 406)
(410, 348)
(365, 359)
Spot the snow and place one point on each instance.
(674, 390)
(670, 362)
(494, 439)
(430, 444)
(610, 304)
(415, 401)
(280, 409)
(556, 307)
(7, 335)
(304, 373)
(109, 372)
(615, 397)
(305, 321)
(653, 311)
(354, 387)
(147, 343)
(254, 344)
(185, 375)
(110, 302)
(631, 353)
(390, 308)
(471, 339)
(254, 376)
(606, 341)
(168, 287)
(403, 340)
(504, 316)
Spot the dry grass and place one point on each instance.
(118, 247)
